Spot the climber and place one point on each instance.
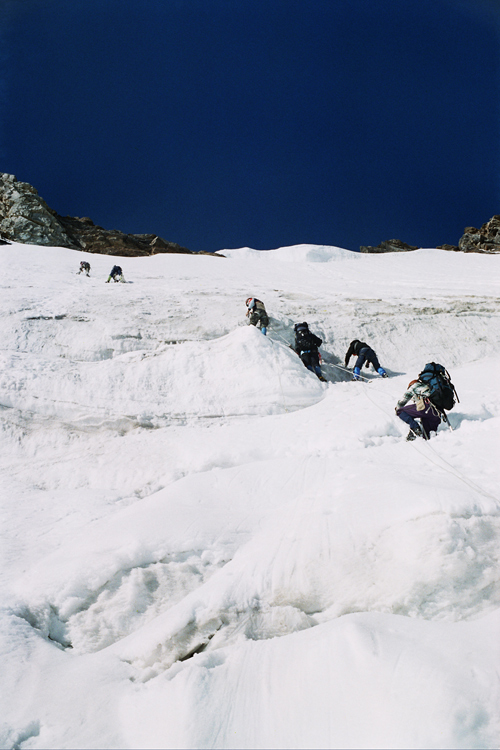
(364, 353)
(306, 346)
(84, 267)
(420, 407)
(256, 313)
(116, 274)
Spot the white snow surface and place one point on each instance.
(203, 546)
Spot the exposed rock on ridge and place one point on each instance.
(85, 235)
(388, 246)
(26, 218)
(484, 240)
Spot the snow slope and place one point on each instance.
(205, 546)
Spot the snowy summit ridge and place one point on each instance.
(204, 545)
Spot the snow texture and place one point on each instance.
(204, 546)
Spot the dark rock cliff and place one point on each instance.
(26, 218)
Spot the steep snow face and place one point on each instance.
(205, 546)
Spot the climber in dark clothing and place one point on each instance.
(116, 274)
(364, 353)
(306, 346)
(84, 267)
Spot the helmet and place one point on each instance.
(248, 300)
(297, 326)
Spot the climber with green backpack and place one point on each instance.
(426, 399)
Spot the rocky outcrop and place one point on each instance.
(26, 218)
(453, 248)
(86, 235)
(484, 240)
(388, 246)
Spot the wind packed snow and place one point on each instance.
(204, 546)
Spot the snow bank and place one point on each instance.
(241, 373)
(361, 681)
(294, 254)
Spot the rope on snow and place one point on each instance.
(448, 467)
(451, 470)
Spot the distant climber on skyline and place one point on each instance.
(116, 274)
(84, 267)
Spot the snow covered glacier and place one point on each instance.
(203, 546)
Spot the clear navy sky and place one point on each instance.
(226, 123)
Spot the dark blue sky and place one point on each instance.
(224, 123)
